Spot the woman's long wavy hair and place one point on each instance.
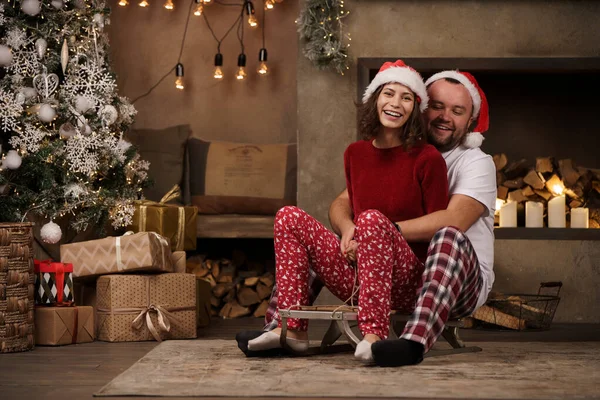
(370, 126)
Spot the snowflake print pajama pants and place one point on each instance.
(389, 274)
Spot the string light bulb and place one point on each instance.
(199, 9)
(169, 5)
(207, 2)
(262, 58)
(179, 74)
(218, 64)
(252, 21)
(269, 4)
(144, 3)
(241, 74)
(123, 3)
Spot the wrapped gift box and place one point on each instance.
(144, 251)
(203, 291)
(177, 223)
(129, 307)
(53, 283)
(179, 261)
(56, 326)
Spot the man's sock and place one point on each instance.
(243, 337)
(363, 351)
(271, 340)
(397, 352)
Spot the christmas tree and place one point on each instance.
(61, 119)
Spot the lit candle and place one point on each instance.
(534, 214)
(508, 215)
(556, 213)
(580, 217)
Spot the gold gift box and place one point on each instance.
(176, 223)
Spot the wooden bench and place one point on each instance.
(341, 316)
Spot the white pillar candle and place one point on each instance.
(556, 213)
(534, 214)
(580, 217)
(508, 215)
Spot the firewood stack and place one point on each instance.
(239, 288)
(521, 182)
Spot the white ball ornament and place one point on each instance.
(67, 130)
(83, 126)
(58, 4)
(12, 160)
(31, 7)
(28, 92)
(5, 56)
(51, 233)
(83, 104)
(46, 113)
(109, 114)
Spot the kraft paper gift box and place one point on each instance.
(53, 283)
(134, 308)
(179, 261)
(55, 326)
(144, 251)
(177, 223)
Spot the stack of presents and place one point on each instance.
(125, 288)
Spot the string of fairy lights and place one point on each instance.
(199, 10)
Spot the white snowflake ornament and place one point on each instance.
(51, 233)
(29, 139)
(16, 38)
(10, 110)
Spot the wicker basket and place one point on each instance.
(16, 287)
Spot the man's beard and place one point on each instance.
(449, 142)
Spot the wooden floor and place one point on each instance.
(77, 371)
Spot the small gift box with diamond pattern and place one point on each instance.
(53, 283)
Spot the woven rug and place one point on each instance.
(502, 371)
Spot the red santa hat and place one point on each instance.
(398, 72)
(480, 105)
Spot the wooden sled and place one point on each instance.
(342, 316)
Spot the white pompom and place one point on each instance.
(83, 104)
(12, 160)
(29, 92)
(5, 56)
(58, 4)
(473, 140)
(46, 113)
(31, 7)
(51, 233)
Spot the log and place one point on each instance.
(215, 301)
(227, 274)
(544, 164)
(210, 279)
(494, 316)
(554, 185)
(225, 310)
(517, 195)
(214, 312)
(534, 179)
(527, 191)
(568, 172)
(199, 270)
(514, 183)
(500, 160)
(574, 193)
(261, 310)
(247, 296)
(221, 289)
(215, 269)
(544, 194)
(517, 169)
(238, 310)
(230, 295)
(500, 178)
(502, 192)
(575, 204)
(263, 290)
(251, 281)
(268, 279)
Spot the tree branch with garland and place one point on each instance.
(321, 26)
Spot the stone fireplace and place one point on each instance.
(506, 45)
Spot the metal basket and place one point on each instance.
(16, 287)
(524, 311)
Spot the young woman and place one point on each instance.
(392, 175)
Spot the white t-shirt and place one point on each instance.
(471, 172)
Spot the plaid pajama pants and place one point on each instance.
(450, 283)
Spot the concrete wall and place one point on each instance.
(145, 44)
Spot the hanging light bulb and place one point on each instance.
(207, 1)
(123, 3)
(179, 74)
(262, 58)
(143, 3)
(269, 4)
(169, 5)
(199, 9)
(218, 64)
(250, 11)
(241, 74)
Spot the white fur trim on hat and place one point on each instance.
(464, 81)
(404, 76)
(473, 140)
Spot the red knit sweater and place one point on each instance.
(402, 185)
